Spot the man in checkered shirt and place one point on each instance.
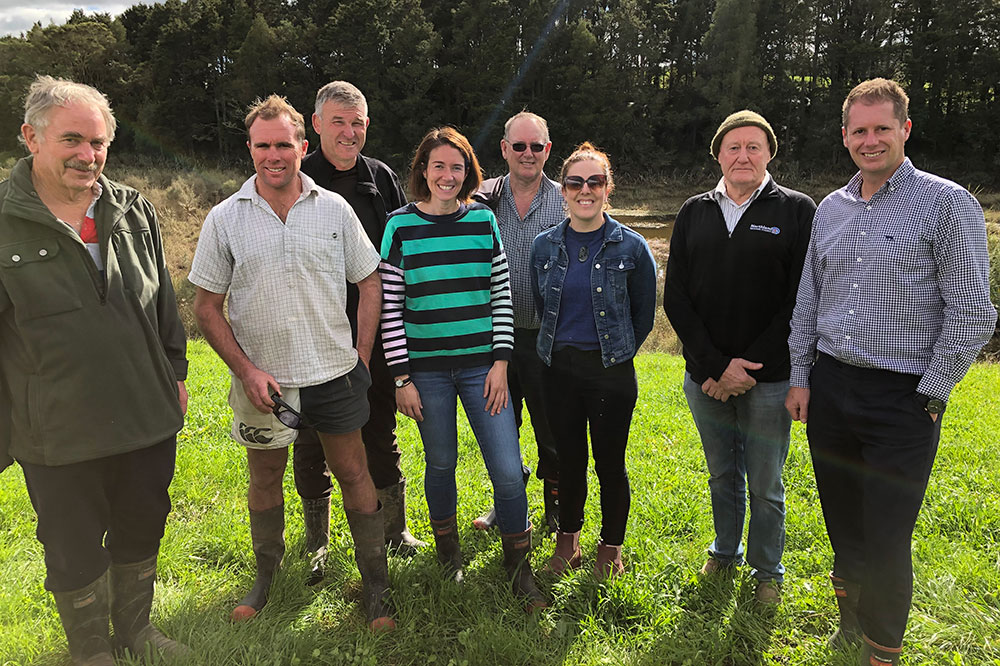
(526, 203)
(892, 309)
(284, 250)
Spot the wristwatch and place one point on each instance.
(931, 405)
(400, 382)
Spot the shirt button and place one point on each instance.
(850, 312)
(868, 207)
(864, 233)
(847, 337)
(42, 252)
(599, 290)
(16, 258)
(854, 286)
(859, 258)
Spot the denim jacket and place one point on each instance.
(623, 282)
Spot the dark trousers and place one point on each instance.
(579, 391)
(100, 511)
(873, 446)
(524, 380)
(312, 479)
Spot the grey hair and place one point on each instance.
(47, 92)
(527, 115)
(342, 93)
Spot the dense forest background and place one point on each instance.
(649, 80)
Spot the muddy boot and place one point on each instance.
(609, 561)
(369, 553)
(397, 538)
(316, 516)
(516, 563)
(84, 615)
(448, 550)
(131, 601)
(567, 555)
(551, 497)
(849, 631)
(488, 520)
(267, 532)
(873, 654)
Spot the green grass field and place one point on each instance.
(657, 613)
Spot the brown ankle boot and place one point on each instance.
(609, 561)
(567, 555)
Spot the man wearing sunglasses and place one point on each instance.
(284, 249)
(736, 254)
(526, 203)
(373, 190)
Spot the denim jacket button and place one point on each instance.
(605, 336)
(597, 265)
(612, 359)
(599, 290)
(602, 313)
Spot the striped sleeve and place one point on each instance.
(502, 307)
(393, 332)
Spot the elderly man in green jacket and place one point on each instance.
(92, 366)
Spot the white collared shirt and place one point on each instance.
(287, 281)
(731, 210)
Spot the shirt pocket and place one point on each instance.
(314, 253)
(40, 278)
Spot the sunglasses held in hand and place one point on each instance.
(284, 412)
(575, 183)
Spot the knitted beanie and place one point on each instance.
(742, 119)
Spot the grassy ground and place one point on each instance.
(659, 612)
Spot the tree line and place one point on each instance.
(648, 80)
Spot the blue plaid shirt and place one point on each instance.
(898, 283)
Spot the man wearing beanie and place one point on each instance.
(736, 255)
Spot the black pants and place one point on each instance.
(312, 479)
(100, 511)
(524, 380)
(579, 391)
(873, 446)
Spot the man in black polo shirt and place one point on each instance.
(736, 255)
(373, 191)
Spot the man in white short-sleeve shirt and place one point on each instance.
(283, 249)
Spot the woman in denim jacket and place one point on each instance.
(595, 289)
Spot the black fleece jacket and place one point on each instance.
(732, 296)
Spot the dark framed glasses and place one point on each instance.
(576, 183)
(284, 413)
(521, 146)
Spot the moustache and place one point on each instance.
(80, 165)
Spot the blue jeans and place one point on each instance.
(497, 437)
(745, 440)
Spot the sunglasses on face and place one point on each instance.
(284, 412)
(520, 146)
(576, 183)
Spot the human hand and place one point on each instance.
(797, 403)
(258, 385)
(495, 388)
(408, 402)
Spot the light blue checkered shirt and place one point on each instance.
(898, 283)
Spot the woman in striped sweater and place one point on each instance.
(447, 331)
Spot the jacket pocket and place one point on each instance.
(619, 271)
(40, 279)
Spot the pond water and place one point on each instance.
(653, 226)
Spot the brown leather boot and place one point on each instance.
(369, 552)
(131, 602)
(84, 615)
(267, 533)
(609, 561)
(567, 554)
(516, 548)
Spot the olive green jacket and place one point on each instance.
(89, 363)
